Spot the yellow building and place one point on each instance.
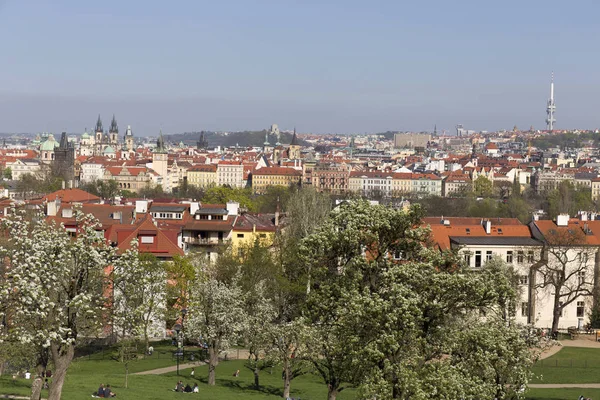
(250, 227)
(202, 176)
(274, 176)
(595, 189)
(401, 184)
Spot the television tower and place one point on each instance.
(551, 108)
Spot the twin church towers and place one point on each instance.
(106, 143)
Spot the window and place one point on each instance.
(488, 255)
(584, 258)
(581, 277)
(523, 279)
(477, 259)
(524, 309)
(499, 231)
(580, 309)
(530, 256)
(509, 256)
(467, 258)
(468, 231)
(262, 235)
(240, 235)
(397, 255)
(520, 257)
(147, 239)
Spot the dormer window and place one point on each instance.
(499, 231)
(146, 239)
(468, 231)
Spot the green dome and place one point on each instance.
(49, 144)
(85, 135)
(108, 150)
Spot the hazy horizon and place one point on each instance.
(322, 66)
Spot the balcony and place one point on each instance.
(205, 241)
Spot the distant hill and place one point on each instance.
(242, 139)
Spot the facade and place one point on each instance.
(130, 178)
(411, 140)
(427, 184)
(22, 166)
(202, 176)
(455, 184)
(274, 176)
(230, 173)
(91, 170)
(371, 183)
(332, 178)
(544, 182)
(528, 249)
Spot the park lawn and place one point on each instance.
(562, 394)
(569, 365)
(85, 376)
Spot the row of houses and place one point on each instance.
(163, 228)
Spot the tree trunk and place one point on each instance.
(556, 312)
(332, 393)
(36, 388)
(286, 379)
(256, 383)
(213, 361)
(126, 375)
(62, 359)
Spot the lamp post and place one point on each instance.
(183, 314)
(177, 329)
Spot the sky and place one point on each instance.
(323, 66)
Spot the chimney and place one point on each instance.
(487, 224)
(536, 217)
(232, 207)
(583, 216)
(562, 220)
(63, 185)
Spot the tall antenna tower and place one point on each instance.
(551, 107)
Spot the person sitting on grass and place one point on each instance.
(179, 387)
(188, 388)
(100, 392)
(196, 388)
(108, 392)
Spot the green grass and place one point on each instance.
(569, 365)
(562, 394)
(85, 376)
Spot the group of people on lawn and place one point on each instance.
(187, 388)
(105, 391)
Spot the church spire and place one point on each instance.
(114, 128)
(160, 143)
(294, 139)
(99, 125)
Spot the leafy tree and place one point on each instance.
(216, 315)
(515, 207)
(386, 312)
(151, 192)
(7, 173)
(54, 287)
(483, 187)
(181, 273)
(223, 194)
(567, 198)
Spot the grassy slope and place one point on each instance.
(86, 375)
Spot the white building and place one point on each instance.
(230, 173)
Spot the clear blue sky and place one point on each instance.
(321, 65)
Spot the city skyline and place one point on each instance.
(327, 67)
